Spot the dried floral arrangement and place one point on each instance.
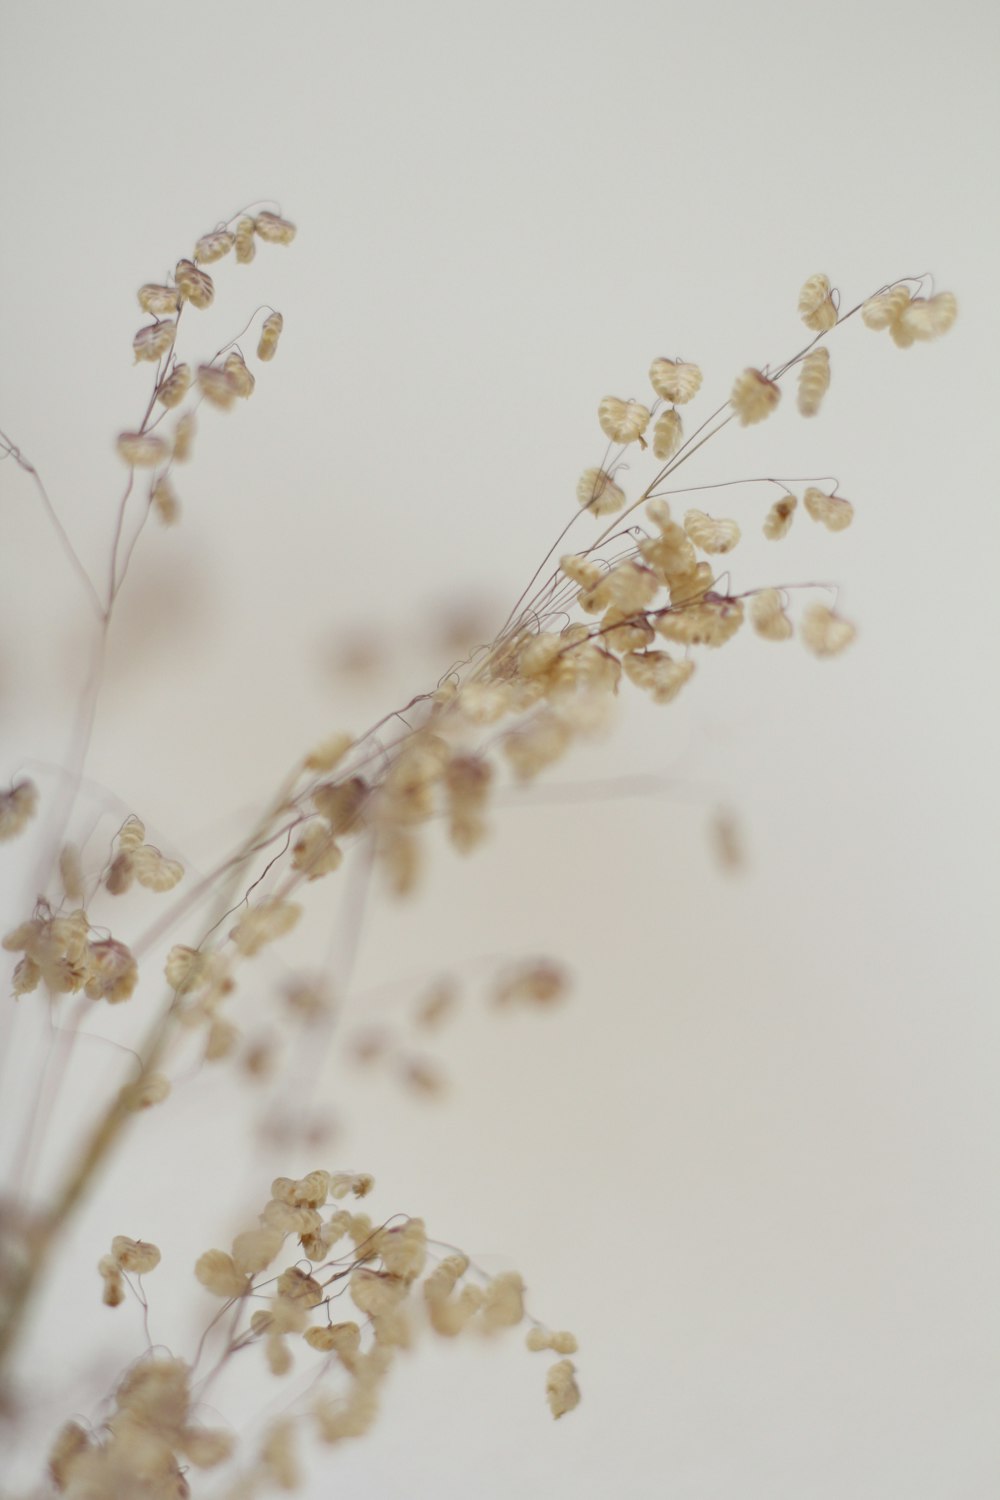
(642, 603)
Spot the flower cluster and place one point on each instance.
(289, 1309)
(644, 604)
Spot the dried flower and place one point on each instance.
(141, 450)
(596, 491)
(183, 438)
(17, 808)
(138, 1256)
(675, 380)
(275, 230)
(114, 1286)
(154, 341)
(767, 615)
(540, 981)
(886, 309)
(164, 501)
(217, 386)
(194, 285)
(754, 397)
(113, 972)
(246, 246)
(269, 334)
(218, 1274)
(667, 434)
(622, 421)
(826, 633)
(814, 380)
(657, 673)
(503, 1305)
(150, 1089)
(816, 305)
(709, 534)
(779, 518)
(833, 511)
(561, 1388)
(235, 368)
(158, 301)
(927, 317)
(171, 392)
(214, 246)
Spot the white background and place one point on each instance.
(753, 1162)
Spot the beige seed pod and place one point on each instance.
(928, 317)
(263, 924)
(150, 1089)
(138, 1256)
(816, 306)
(164, 502)
(171, 392)
(597, 492)
(580, 570)
(503, 1304)
(324, 1339)
(17, 808)
(120, 875)
(622, 421)
(183, 437)
(375, 1293)
(538, 982)
(217, 386)
(767, 615)
(316, 853)
(71, 872)
(712, 621)
(329, 752)
(246, 245)
(269, 334)
(255, 1249)
(113, 972)
(404, 1249)
(885, 309)
(195, 286)
(72, 1441)
(561, 1388)
(658, 511)
(675, 380)
(358, 1183)
(814, 381)
(114, 1288)
(657, 673)
(668, 434)
(833, 511)
(218, 1274)
(222, 1040)
(141, 450)
(273, 229)
(159, 301)
(709, 534)
(155, 872)
(154, 341)
(778, 521)
(278, 1355)
(214, 246)
(235, 367)
(132, 833)
(824, 632)
(754, 397)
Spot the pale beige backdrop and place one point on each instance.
(753, 1161)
